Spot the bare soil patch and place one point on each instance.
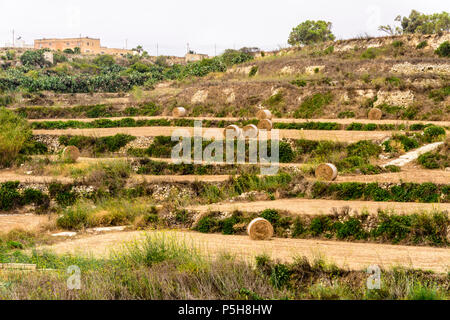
(313, 206)
(333, 135)
(353, 256)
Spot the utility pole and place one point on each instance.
(157, 50)
(215, 50)
(13, 43)
(188, 48)
(126, 43)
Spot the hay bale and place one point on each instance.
(232, 130)
(375, 114)
(326, 171)
(264, 114)
(265, 124)
(179, 112)
(71, 153)
(250, 131)
(260, 229)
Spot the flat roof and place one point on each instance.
(65, 39)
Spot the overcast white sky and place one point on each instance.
(201, 23)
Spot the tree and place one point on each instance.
(309, 32)
(138, 49)
(418, 22)
(34, 58)
(231, 57)
(14, 132)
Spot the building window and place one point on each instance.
(50, 44)
(87, 43)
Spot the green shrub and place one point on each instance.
(439, 95)
(364, 148)
(352, 228)
(346, 114)
(286, 154)
(397, 44)
(299, 83)
(313, 105)
(443, 50)
(434, 160)
(275, 99)
(433, 133)
(270, 215)
(34, 58)
(422, 45)
(370, 53)
(63, 194)
(253, 71)
(14, 133)
(205, 224)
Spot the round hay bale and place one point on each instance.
(264, 114)
(265, 124)
(71, 153)
(179, 112)
(260, 229)
(232, 130)
(326, 171)
(250, 131)
(375, 114)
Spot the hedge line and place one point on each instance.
(130, 122)
(11, 198)
(110, 82)
(405, 192)
(98, 145)
(416, 228)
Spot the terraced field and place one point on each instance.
(372, 213)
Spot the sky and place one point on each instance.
(166, 27)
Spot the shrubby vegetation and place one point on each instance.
(421, 23)
(11, 198)
(14, 133)
(416, 228)
(162, 267)
(103, 74)
(404, 192)
(97, 145)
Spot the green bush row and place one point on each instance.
(403, 192)
(416, 228)
(130, 122)
(11, 198)
(147, 166)
(92, 111)
(111, 82)
(97, 145)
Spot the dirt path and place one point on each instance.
(6, 176)
(411, 175)
(314, 206)
(275, 120)
(10, 222)
(353, 256)
(333, 135)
